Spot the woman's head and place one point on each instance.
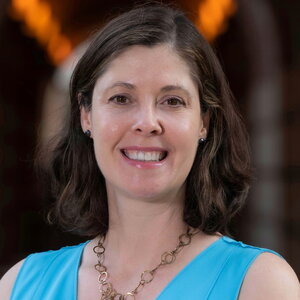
(218, 181)
(145, 121)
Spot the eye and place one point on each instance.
(174, 101)
(119, 99)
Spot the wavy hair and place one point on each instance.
(218, 182)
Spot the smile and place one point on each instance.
(146, 156)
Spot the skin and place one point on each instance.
(145, 119)
(146, 200)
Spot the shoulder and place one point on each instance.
(7, 281)
(29, 271)
(270, 277)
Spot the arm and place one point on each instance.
(270, 278)
(8, 280)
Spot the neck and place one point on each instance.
(140, 231)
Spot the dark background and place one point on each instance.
(259, 47)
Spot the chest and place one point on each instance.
(214, 273)
(88, 285)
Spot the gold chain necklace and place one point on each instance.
(107, 291)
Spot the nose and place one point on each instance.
(146, 122)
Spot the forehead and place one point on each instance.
(140, 65)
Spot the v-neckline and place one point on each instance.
(170, 283)
(187, 267)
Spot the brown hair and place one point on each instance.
(218, 182)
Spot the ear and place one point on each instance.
(85, 117)
(204, 126)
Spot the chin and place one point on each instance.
(148, 194)
(153, 193)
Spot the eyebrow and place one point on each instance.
(127, 85)
(170, 88)
(167, 88)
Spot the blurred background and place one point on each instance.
(258, 43)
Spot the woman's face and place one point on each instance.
(145, 121)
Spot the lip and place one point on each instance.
(139, 148)
(143, 164)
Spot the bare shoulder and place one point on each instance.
(270, 277)
(8, 280)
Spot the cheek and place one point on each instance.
(105, 127)
(187, 127)
(115, 128)
(185, 135)
(108, 130)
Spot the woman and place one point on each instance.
(153, 165)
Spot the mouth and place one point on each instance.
(145, 156)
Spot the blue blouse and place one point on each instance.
(216, 273)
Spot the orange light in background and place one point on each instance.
(41, 24)
(213, 16)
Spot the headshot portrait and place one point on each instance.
(152, 176)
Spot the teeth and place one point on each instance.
(148, 156)
(144, 156)
(140, 156)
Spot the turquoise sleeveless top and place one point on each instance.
(216, 273)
